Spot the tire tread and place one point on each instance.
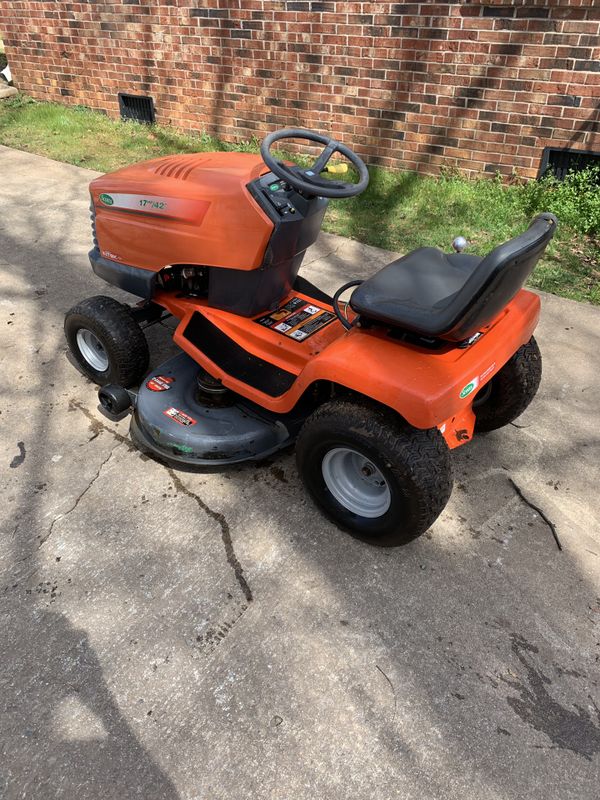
(422, 455)
(125, 340)
(513, 389)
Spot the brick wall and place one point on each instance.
(482, 86)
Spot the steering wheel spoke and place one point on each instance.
(323, 159)
(309, 181)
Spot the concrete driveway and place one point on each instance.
(204, 636)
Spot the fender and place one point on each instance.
(426, 387)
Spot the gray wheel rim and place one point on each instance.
(356, 483)
(92, 350)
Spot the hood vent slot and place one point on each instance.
(178, 168)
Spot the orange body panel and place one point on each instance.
(428, 388)
(188, 209)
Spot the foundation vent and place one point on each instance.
(136, 107)
(559, 162)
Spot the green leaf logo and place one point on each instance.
(467, 390)
(106, 199)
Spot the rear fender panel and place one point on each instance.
(427, 388)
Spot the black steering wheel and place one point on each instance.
(309, 180)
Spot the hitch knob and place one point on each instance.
(459, 244)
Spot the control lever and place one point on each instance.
(459, 244)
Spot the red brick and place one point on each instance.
(442, 74)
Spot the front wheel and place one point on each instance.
(372, 474)
(107, 342)
(511, 390)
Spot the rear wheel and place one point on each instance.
(107, 342)
(511, 390)
(371, 474)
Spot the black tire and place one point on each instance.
(120, 336)
(415, 464)
(511, 390)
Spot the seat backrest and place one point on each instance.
(500, 275)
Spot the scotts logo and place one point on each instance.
(466, 391)
(106, 199)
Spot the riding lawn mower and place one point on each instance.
(375, 391)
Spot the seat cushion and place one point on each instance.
(415, 292)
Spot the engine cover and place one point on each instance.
(183, 209)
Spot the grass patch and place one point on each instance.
(78, 135)
(399, 211)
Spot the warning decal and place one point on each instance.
(179, 416)
(160, 383)
(297, 319)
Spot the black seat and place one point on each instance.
(452, 296)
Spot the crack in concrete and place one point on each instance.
(219, 518)
(333, 252)
(79, 497)
(393, 691)
(542, 514)
(98, 426)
